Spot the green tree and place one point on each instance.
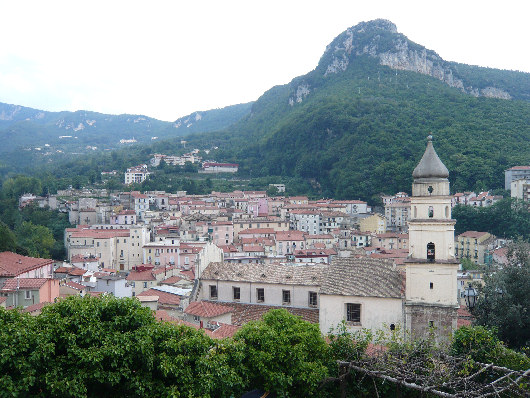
(8, 240)
(504, 301)
(483, 345)
(109, 347)
(36, 239)
(284, 354)
(14, 187)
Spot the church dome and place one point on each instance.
(430, 165)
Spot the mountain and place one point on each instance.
(211, 120)
(48, 136)
(355, 126)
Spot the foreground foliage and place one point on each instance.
(107, 347)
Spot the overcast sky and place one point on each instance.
(166, 59)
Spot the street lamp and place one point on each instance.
(471, 297)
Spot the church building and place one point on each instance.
(375, 294)
(431, 298)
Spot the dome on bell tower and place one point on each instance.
(430, 165)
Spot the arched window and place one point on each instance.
(430, 251)
(431, 212)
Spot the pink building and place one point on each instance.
(222, 232)
(124, 217)
(23, 292)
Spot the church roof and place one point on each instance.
(430, 165)
(365, 277)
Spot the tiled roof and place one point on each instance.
(223, 331)
(36, 307)
(75, 285)
(266, 273)
(253, 248)
(289, 235)
(366, 277)
(207, 309)
(162, 315)
(164, 298)
(257, 231)
(141, 276)
(189, 275)
(244, 313)
(23, 283)
(171, 280)
(12, 264)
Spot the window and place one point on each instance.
(353, 313)
(132, 284)
(145, 284)
(431, 324)
(236, 293)
(430, 251)
(213, 292)
(313, 299)
(260, 294)
(286, 296)
(28, 294)
(431, 285)
(431, 212)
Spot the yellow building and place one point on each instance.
(375, 223)
(474, 245)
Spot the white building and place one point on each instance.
(275, 285)
(210, 167)
(136, 175)
(515, 173)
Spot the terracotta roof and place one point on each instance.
(223, 331)
(141, 276)
(289, 235)
(266, 273)
(243, 313)
(74, 271)
(75, 285)
(12, 264)
(253, 248)
(23, 283)
(171, 280)
(207, 309)
(464, 317)
(190, 275)
(3, 299)
(257, 231)
(164, 298)
(366, 277)
(162, 315)
(36, 307)
(520, 168)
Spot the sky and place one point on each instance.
(167, 59)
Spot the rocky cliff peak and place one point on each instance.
(380, 39)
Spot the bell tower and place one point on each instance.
(431, 293)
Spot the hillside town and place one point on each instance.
(220, 260)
